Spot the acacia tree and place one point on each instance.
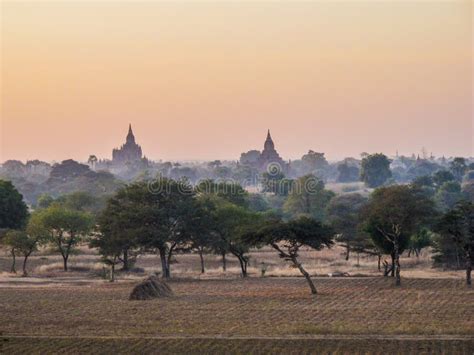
(198, 228)
(66, 229)
(343, 215)
(392, 215)
(118, 231)
(458, 225)
(287, 238)
(26, 241)
(231, 223)
(154, 212)
(217, 229)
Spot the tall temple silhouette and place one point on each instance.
(129, 152)
(269, 155)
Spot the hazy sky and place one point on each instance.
(205, 80)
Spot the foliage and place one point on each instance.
(375, 170)
(458, 167)
(347, 173)
(420, 240)
(442, 176)
(13, 211)
(287, 238)
(343, 213)
(392, 215)
(26, 241)
(227, 190)
(66, 228)
(448, 195)
(308, 197)
(458, 225)
(276, 183)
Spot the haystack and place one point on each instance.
(150, 288)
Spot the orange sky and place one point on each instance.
(203, 80)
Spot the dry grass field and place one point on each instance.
(79, 312)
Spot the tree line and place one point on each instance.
(167, 216)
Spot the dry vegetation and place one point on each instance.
(217, 312)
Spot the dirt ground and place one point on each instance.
(80, 312)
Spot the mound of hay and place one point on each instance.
(150, 288)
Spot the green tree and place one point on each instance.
(347, 173)
(308, 197)
(66, 229)
(287, 238)
(231, 223)
(448, 195)
(392, 215)
(44, 201)
(419, 241)
(458, 167)
(458, 225)
(199, 228)
(343, 215)
(26, 241)
(13, 211)
(80, 201)
(118, 232)
(314, 161)
(227, 190)
(156, 213)
(276, 183)
(468, 191)
(441, 177)
(375, 170)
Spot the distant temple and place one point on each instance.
(268, 159)
(129, 152)
(269, 155)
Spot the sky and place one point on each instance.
(205, 80)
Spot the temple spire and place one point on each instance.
(130, 136)
(269, 142)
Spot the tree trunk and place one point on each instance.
(378, 262)
(306, 275)
(243, 266)
(25, 273)
(202, 261)
(348, 250)
(164, 265)
(397, 263)
(458, 263)
(392, 272)
(126, 266)
(224, 262)
(13, 268)
(168, 261)
(358, 259)
(112, 271)
(468, 272)
(65, 257)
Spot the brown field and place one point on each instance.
(79, 312)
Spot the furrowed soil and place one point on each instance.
(256, 315)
